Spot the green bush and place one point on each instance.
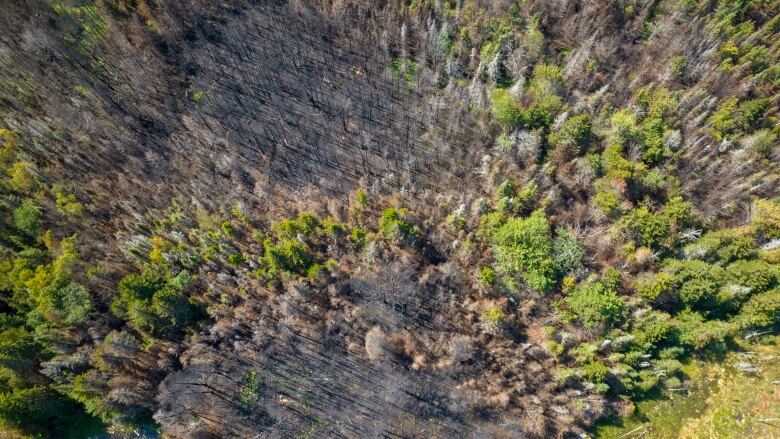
(524, 246)
(27, 218)
(286, 256)
(761, 310)
(648, 229)
(493, 316)
(756, 275)
(615, 166)
(394, 227)
(652, 329)
(305, 224)
(358, 236)
(766, 219)
(487, 276)
(595, 372)
(574, 134)
(567, 253)
(732, 118)
(504, 108)
(696, 333)
(698, 282)
(724, 245)
(594, 305)
(607, 199)
(657, 289)
(152, 302)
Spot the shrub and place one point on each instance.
(22, 178)
(648, 229)
(657, 103)
(567, 253)
(493, 316)
(607, 198)
(696, 333)
(505, 109)
(487, 276)
(732, 118)
(756, 275)
(305, 224)
(614, 165)
(507, 189)
(652, 329)
(595, 305)
(724, 245)
(152, 303)
(27, 218)
(624, 126)
(358, 236)
(761, 310)
(761, 142)
(595, 372)
(361, 197)
(678, 65)
(766, 219)
(525, 246)
(394, 227)
(657, 289)
(699, 282)
(288, 255)
(573, 134)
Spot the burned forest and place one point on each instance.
(389, 219)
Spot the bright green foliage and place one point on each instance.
(66, 202)
(510, 200)
(698, 282)
(654, 229)
(507, 189)
(732, 118)
(22, 178)
(286, 256)
(489, 224)
(331, 228)
(361, 197)
(153, 303)
(624, 126)
(607, 198)
(493, 316)
(505, 109)
(658, 103)
(649, 229)
(487, 276)
(394, 227)
(614, 165)
(594, 372)
(761, 310)
(305, 224)
(574, 134)
(29, 406)
(696, 333)
(725, 245)
(524, 246)
(567, 253)
(544, 86)
(658, 288)
(756, 275)
(358, 236)
(594, 305)
(27, 218)
(766, 219)
(652, 329)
